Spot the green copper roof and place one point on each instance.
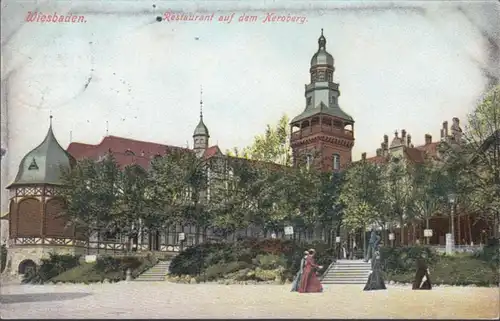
(43, 164)
(201, 129)
(325, 110)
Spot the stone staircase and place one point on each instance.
(347, 272)
(156, 273)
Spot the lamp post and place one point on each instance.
(452, 200)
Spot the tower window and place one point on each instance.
(334, 100)
(336, 162)
(309, 159)
(309, 101)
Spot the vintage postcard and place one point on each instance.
(250, 159)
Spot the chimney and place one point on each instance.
(445, 129)
(386, 141)
(428, 139)
(403, 136)
(363, 156)
(379, 151)
(408, 140)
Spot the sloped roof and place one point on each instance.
(333, 110)
(129, 151)
(43, 164)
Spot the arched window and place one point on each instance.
(309, 160)
(336, 162)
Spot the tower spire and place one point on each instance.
(201, 102)
(50, 118)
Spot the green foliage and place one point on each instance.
(282, 257)
(3, 257)
(453, 270)
(270, 261)
(90, 192)
(491, 255)
(107, 268)
(362, 195)
(272, 146)
(51, 267)
(403, 259)
(221, 269)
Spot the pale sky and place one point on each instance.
(405, 64)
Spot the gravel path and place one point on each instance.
(169, 300)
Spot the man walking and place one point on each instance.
(372, 244)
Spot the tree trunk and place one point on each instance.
(401, 231)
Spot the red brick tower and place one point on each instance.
(323, 134)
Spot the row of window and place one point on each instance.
(333, 100)
(336, 161)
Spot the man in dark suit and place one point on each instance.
(372, 244)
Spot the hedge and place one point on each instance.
(51, 267)
(480, 268)
(108, 268)
(202, 258)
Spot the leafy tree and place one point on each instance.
(362, 195)
(399, 193)
(175, 192)
(272, 146)
(131, 203)
(429, 192)
(91, 190)
(476, 160)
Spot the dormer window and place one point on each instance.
(129, 152)
(33, 165)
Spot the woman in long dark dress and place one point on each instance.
(375, 279)
(422, 280)
(298, 277)
(310, 282)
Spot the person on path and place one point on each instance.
(422, 280)
(298, 277)
(375, 279)
(309, 282)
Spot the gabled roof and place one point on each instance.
(129, 151)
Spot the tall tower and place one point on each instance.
(201, 134)
(323, 134)
(36, 223)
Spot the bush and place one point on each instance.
(110, 268)
(403, 259)
(454, 270)
(3, 257)
(269, 261)
(267, 253)
(218, 270)
(490, 254)
(51, 267)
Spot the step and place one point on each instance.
(344, 282)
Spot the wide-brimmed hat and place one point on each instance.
(312, 251)
(306, 252)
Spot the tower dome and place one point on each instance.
(201, 129)
(44, 163)
(322, 57)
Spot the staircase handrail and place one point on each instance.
(327, 269)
